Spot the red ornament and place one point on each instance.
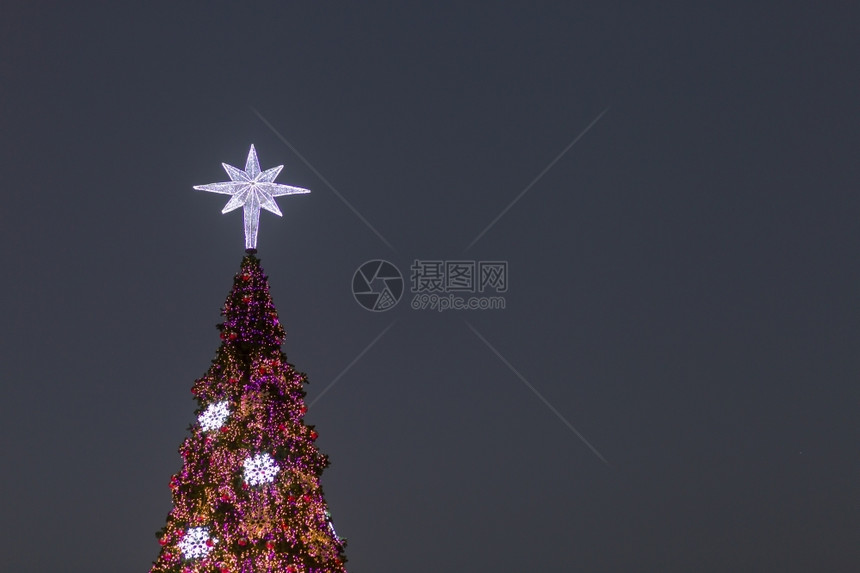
(314, 435)
(243, 542)
(224, 429)
(225, 497)
(270, 545)
(304, 409)
(162, 541)
(223, 336)
(262, 370)
(306, 498)
(246, 299)
(245, 485)
(233, 336)
(210, 543)
(168, 556)
(234, 380)
(174, 483)
(246, 277)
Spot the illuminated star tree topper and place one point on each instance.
(252, 190)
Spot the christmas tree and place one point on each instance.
(248, 498)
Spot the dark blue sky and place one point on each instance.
(682, 282)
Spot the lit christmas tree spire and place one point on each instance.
(252, 190)
(248, 497)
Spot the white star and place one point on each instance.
(252, 190)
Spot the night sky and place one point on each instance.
(683, 281)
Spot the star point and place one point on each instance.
(252, 189)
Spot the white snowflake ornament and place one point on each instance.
(260, 469)
(214, 416)
(195, 544)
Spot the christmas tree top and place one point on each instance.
(248, 497)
